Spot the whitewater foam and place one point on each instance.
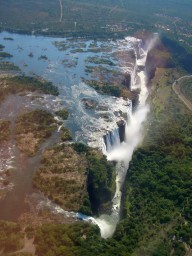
(122, 152)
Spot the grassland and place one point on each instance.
(186, 88)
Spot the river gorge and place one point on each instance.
(112, 124)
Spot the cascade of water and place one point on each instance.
(103, 146)
(115, 138)
(133, 77)
(111, 140)
(122, 152)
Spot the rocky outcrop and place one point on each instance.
(158, 57)
(127, 80)
(121, 124)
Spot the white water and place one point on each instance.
(122, 152)
(85, 125)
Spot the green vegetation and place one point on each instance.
(117, 90)
(61, 45)
(31, 55)
(33, 84)
(4, 130)
(4, 182)
(106, 18)
(8, 38)
(17, 84)
(97, 60)
(104, 70)
(156, 209)
(32, 128)
(4, 55)
(62, 177)
(109, 81)
(101, 181)
(65, 134)
(8, 66)
(69, 63)
(70, 43)
(42, 57)
(186, 88)
(104, 88)
(100, 49)
(157, 215)
(11, 237)
(1, 47)
(181, 57)
(77, 50)
(63, 113)
(77, 178)
(70, 240)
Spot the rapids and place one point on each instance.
(85, 125)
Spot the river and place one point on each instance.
(65, 61)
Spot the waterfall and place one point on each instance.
(122, 152)
(133, 76)
(111, 139)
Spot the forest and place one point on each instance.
(83, 18)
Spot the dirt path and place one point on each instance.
(177, 90)
(29, 247)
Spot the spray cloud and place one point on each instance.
(122, 152)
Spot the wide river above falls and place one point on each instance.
(65, 62)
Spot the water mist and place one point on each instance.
(122, 152)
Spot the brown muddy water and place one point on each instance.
(23, 168)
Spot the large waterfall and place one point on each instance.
(122, 152)
(119, 139)
(112, 126)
